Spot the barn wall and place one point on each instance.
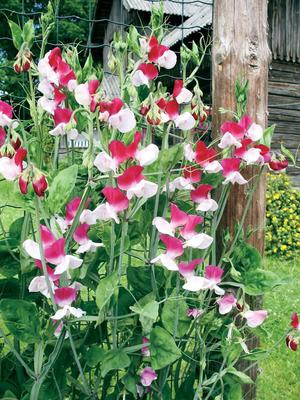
(284, 108)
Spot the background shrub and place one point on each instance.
(283, 217)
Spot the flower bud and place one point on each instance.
(39, 184)
(23, 60)
(23, 184)
(278, 163)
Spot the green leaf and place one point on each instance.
(212, 179)
(259, 281)
(143, 92)
(61, 188)
(186, 390)
(10, 195)
(21, 319)
(28, 32)
(139, 278)
(267, 135)
(163, 348)
(9, 267)
(106, 289)
(174, 317)
(148, 312)
(241, 377)
(16, 33)
(130, 383)
(114, 359)
(94, 355)
(255, 355)
(288, 154)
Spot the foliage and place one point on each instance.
(111, 282)
(283, 217)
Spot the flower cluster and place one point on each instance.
(283, 217)
(292, 340)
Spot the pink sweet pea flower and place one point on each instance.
(72, 208)
(174, 249)
(264, 151)
(251, 155)
(11, 168)
(255, 132)
(145, 72)
(206, 158)
(178, 218)
(188, 231)
(39, 184)
(64, 297)
(193, 174)
(292, 342)
(145, 350)
(187, 269)
(134, 183)
(116, 202)
(295, 321)
(54, 251)
(194, 312)
(85, 94)
(236, 130)
(212, 277)
(6, 114)
(120, 119)
(255, 318)
(161, 55)
(201, 195)
(80, 236)
(230, 171)
(180, 93)
(62, 117)
(148, 375)
(226, 303)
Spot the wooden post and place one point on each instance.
(240, 51)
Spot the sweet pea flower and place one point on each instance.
(116, 203)
(39, 284)
(255, 318)
(174, 249)
(255, 132)
(193, 174)
(85, 94)
(145, 72)
(148, 375)
(194, 312)
(6, 114)
(185, 121)
(232, 133)
(278, 163)
(62, 118)
(64, 297)
(80, 236)
(230, 171)
(178, 218)
(180, 93)
(188, 230)
(117, 117)
(52, 97)
(12, 167)
(212, 277)
(206, 158)
(145, 350)
(292, 342)
(201, 196)
(72, 208)
(226, 303)
(134, 183)
(295, 321)
(161, 55)
(251, 155)
(199, 241)
(54, 251)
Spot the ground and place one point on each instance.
(280, 373)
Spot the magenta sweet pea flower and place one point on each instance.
(295, 321)
(64, 297)
(86, 244)
(85, 94)
(145, 72)
(212, 277)
(148, 375)
(255, 318)
(230, 171)
(174, 249)
(201, 196)
(12, 167)
(145, 350)
(205, 157)
(249, 154)
(194, 312)
(62, 117)
(278, 163)
(132, 180)
(189, 229)
(292, 342)
(180, 93)
(161, 55)
(226, 303)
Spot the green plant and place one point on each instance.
(283, 217)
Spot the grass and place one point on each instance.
(279, 374)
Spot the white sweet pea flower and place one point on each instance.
(147, 155)
(105, 163)
(69, 262)
(67, 311)
(82, 94)
(124, 120)
(255, 132)
(166, 261)
(163, 226)
(229, 140)
(39, 284)
(185, 121)
(200, 241)
(189, 154)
